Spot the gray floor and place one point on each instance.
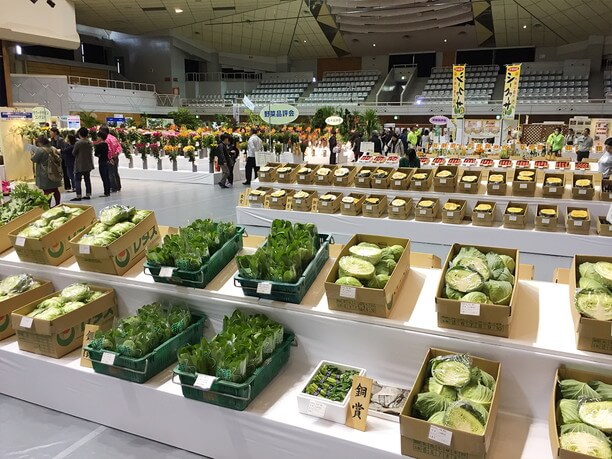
(32, 432)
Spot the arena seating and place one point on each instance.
(549, 86)
(345, 87)
(479, 84)
(279, 91)
(233, 95)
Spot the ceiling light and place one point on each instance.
(403, 77)
(445, 40)
(524, 27)
(396, 117)
(304, 41)
(374, 44)
(178, 10)
(18, 50)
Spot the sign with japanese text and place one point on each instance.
(334, 120)
(359, 403)
(16, 116)
(41, 115)
(88, 335)
(511, 87)
(439, 120)
(458, 91)
(279, 113)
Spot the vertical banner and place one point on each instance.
(458, 91)
(511, 86)
(236, 112)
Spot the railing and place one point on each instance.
(114, 84)
(167, 100)
(218, 76)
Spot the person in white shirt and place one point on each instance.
(254, 145)
(584, 143)
(605, 162)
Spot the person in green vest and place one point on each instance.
(413, 136)
(555, 142)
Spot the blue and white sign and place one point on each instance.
(248, 103)
(115, 121)
(16, 115)
(279, 113)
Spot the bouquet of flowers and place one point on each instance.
(189, 153)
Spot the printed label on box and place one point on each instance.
(347, 206)
(108, 358)
(316, 408)
(395, 210)
(166, 271)
(523, 186)
(274, 199)
(298, 201)
(20, 241)
(582, 191)
(467, 185)
(348, 292)
(204, 382)
(423, 212)
(443, 181)
(577, 223)
(84, 249)
(481, 216)
(512, 218)
(450, 214)
(440, 435)
(368, 207)
(546, 221)
(26, 322)
(417, 183)
(398, 183)
(469, 309)
(495, 187)
(552, 189)
(264, 288)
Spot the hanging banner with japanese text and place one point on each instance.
(458, 91)
(511, 87)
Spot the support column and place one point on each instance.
(6, 95)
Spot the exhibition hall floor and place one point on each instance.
(30, 431)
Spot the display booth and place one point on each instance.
(17, 164)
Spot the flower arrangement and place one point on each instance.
(171, 152)
(189, 153)
(155, 150)
(141, 149)
(31, 131)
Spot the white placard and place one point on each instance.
(443, 181)
(582, 191)
(512, 218)
(467, 185)
(417, 183)
(346, 291)
(523, 186)
(297, 201)
(552, 189)
(204, 382)
(324, 203)
(166, 271)
(423, 212)
(495, 187)
(378, 181)
(347, 206)
(316, 408)
(481, 216)
(398, 183)
(368, 207)
(20, 241)
(450, 214)
(84, 249)
(440, 435)
(264, 288)
(274, 199)
(469, 309)
(361, 180)
(395, 210)
(338, 179)
(577, 223)
(108, 358)
(546, 221)
(281, 176)
(26, 322)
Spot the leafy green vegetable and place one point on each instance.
(604, 271)
(357, 267)
(578, 439)
(331, 383)
(140, 215)
(596, 304)
(596, 413)
(476, 297)
(476, 264)
(573, 389)
(437, 418)
(22, 199)
(466, 416)
(429, 403)
(467, 252)
(393, 251)
(447, 392)
(477, 394)
(452, 370)
(385, 266)
(378, 281)
(367, 252)
(567, 411)
(452, 293)
(16, 284)
(347, 280)
(499, 292)
(116, 213)
(48, 221)
(463, 279)
(509, 262)
(603, 390)
(76, 292)
(71, 298)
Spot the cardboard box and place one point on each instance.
(469, 187)
(454, 216)
(446, 184)
(346, 180)
(553, 191)
(516, 221)
(325, 179)
(303, 204)
(7, 228)
(584, 193)
(271, 175)
(9, 305)
(524, 188)
(330, 207)
(429, 214)
(577, 226)
(280, 202)
(498, 189)
(488, 319)
(307, 178)
(561, 374)
(56, 338)
(606, 190)
(258, 201)
(604, 228)
(375, 210)
(53, 248)
(400, 212)
(415, 432)
(353, 208)
(382, 183)
(288, 177)
(401, 184)
(591, 334)
(122, 254)
(362, 300)
(364, 182)
(484, 218)
(422, 184)
(543, 223)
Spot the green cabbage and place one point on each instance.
(56, 212)
(596, 304)
(495, 264)
(140, 215)
(114, 214)
(467, 417)
(367, 252)
(394, 251)
(572, 389)
(463, 279)
(98, 228)
(452, 294)
(120, 229)
(429, 403)
(476, 393)
(588, 283)
(603, 390)
(476, 297)
(567, 411)
(452, 370)
(378, 281)
(476, 264)
(351, 281)
(509, 262)
(468, 252)
(584, 439)
(385, 266)
(604, 271)
(76, 292)
(505, 275)
(437, 418)
(72, 306)
(486, 380)
(499, 292)
(356, 267)
(596, 413)
(445, 391)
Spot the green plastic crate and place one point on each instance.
(237, 396)
(201, 277)
(140, 370)
(290, 293)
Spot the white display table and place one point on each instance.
(541, 339)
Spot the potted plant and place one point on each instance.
(156, 153)
(172, 154)
(141, 149)
(189, 153)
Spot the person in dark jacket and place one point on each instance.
(225, 161)
(57, 142)
(404, 138)
(101, 152)
(234, 153)
(356, 142)
(377, 142)
(83, 164)
(410, 159)
(40, 158)
(333, 157)
(68, 158)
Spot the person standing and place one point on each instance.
(584, 143)
(83, 164)
(68, 157)
(410, 160)
(356, 141)
(234, 154)
(375, 139)
(570, 137)
(114, 150)
(333, 151)
(413, 136)
(48, 165)
(224, 160)
(101, 151)
(555, 142)
(254, 145)
(425, 140)
(57, 141)
(605, 162)
(395, 147)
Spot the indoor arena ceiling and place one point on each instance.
(317, 28)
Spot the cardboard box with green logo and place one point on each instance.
(12, 303)
(53, 248)
(9, 227)
(120, 255)
(56, 338)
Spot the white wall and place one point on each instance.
(38, 24)
(592, 48)
(42, 90)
